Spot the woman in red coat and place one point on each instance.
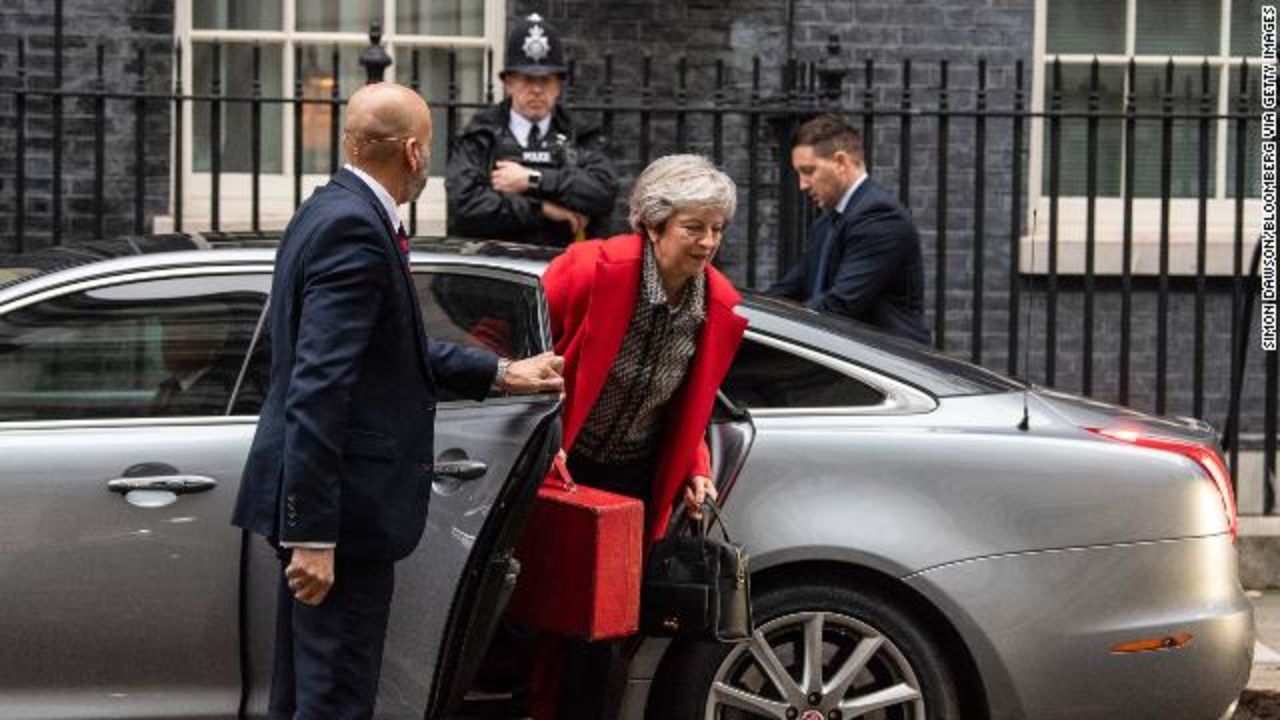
(647, 329)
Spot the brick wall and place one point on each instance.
(123, 27)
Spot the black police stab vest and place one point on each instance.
(552, 150)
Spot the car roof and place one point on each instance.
(22, 273)
(16, 268)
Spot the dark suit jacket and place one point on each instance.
(874, 271)
(343, 451)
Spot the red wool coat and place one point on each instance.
(591, 293)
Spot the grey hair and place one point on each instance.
(675, 183)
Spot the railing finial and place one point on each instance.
(831, 73)
(375, 58)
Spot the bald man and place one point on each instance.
(338, 474)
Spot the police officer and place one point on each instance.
(523, 170)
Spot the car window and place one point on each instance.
(494, 313)
(764, 376)
(156, 348)
(930, 370)
(252, 390)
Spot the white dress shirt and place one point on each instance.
(848, 195)
(384, 197)
(520, 125)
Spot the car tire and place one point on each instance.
(904, 664)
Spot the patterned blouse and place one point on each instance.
(625, 424)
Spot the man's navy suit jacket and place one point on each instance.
(343, 450)
(874, 270)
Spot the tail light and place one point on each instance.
(1206, 457)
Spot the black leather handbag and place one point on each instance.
(697, 587)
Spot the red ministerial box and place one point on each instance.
(580, 563)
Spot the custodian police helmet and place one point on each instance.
(533, 48)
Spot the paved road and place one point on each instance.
(1261, 701)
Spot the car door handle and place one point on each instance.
(177, 484)
(461, 469)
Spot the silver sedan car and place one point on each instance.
(928, 539)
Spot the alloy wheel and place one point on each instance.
(815, 666)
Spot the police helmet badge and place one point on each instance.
(534, 48)
(536, 44)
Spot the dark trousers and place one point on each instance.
(328, 657)
(594, 677)
(630, 479)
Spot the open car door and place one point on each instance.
(491, 574)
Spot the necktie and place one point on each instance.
(822, 239)
(402, 240)
(534, 138)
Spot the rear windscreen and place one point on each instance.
(917, 364)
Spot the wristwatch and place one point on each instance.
(535, 179)
(501, 375)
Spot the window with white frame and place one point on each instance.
(1191, 33)
(310, 49)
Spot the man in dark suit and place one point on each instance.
(339, 473)
(863, 258)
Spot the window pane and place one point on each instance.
(236, 78)
(1253, 135)
(440, 17)
(1178, 27)
(337, 15)
(1085, 26)
(1184, 157)
(316, 71)
(490, 313)
(433, 84)
(257, 377)
(1246, 25)
(133, 350)
(1073, 155)
(763, 376)
(236, 14)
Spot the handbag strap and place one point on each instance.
(719, 518)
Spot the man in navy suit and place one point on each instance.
(339, 473)
(863, 258)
